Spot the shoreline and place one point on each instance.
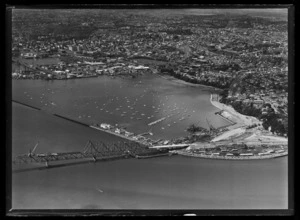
(180, 81)
(232, 157)
(238, 119)
(118, 135)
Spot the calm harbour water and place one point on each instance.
(132, 103)
(175, 182)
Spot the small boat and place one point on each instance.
(139, 119)
(99, 190)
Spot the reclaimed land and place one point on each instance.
(184, 153)
(239, 133)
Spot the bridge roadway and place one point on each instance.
(92, 151)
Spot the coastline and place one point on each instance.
(179, 81)
(232, 157)
(237, 118)
(119, 135)
(235, 130)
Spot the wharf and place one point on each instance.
(119, 135)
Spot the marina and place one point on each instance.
(136, 111)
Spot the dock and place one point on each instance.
(120, 135)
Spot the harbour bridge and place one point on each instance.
(92, 150)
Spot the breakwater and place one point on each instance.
(232, 157)
(72, 120)
(155, 122)
(30, 106)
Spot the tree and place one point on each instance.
(193, 128)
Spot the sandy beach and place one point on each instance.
(231, 114)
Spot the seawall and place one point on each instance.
(233, 157)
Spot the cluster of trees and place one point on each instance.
(246, 109)
(170, 70)
(193, 128)
(251, 126)
(278, 123)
